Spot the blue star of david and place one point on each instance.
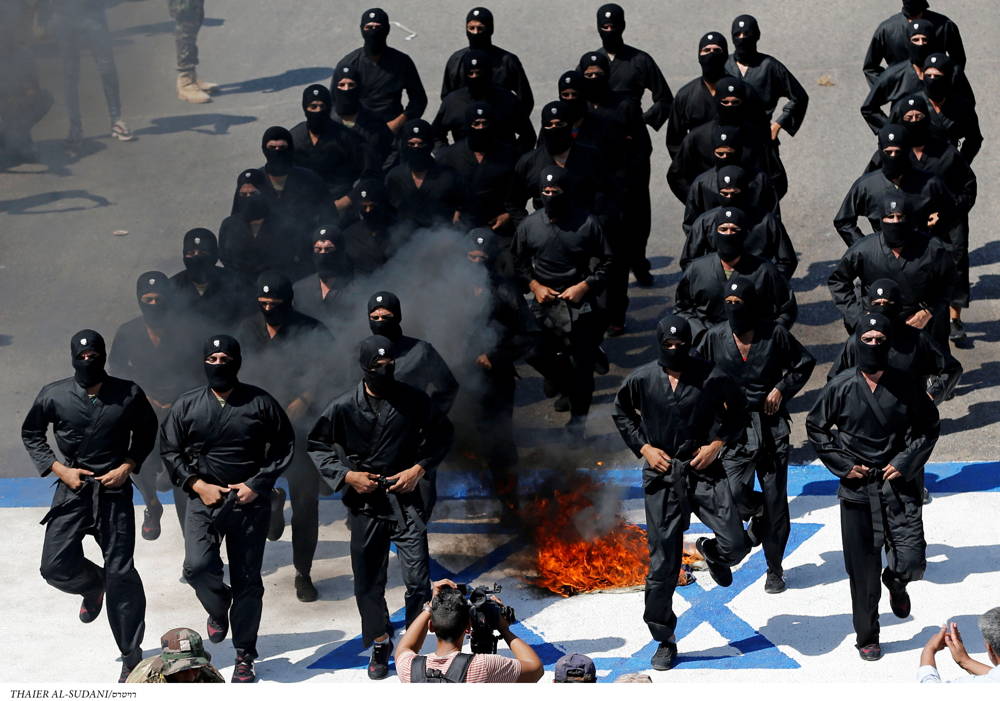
(707, 606)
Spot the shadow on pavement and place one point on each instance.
(32, 203)
(212, 124)
(282, 81)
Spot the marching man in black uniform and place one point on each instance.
(225, 444)
(104, 427)
(677, 413)
(874, 427)
(380, 443)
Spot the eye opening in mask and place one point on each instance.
(555, 124)
(733, 299)
(151, 298)
(731, 101)
(218, 359)
(873, 338)
(381, 362)
(894, 218)
(728, 229)
(381, 315)
(478, 257)
(269, 303)
(670, 343)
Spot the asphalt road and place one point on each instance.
(62, 268)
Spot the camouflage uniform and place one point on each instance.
(182, 649)
(188, 15)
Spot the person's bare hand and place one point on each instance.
(933, 219)
(72, 477)
(656, 458)
(244, 494)
(575, 293)
(937, 643)
(296, 409)
(773, 402)
(500, 221)
(406, 481)
(891, 473)
(342, 203)
(210, 494)
(396, 124)
(437, 586)
(858, 472)
(919, 320)
(775, 128)
(543, 294)
(112, 479)
(483, 361)
(706, 455)
(361, 482)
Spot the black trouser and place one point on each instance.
(303, 485)
(637, 215)
(764, 456)
(107, 515)
(244, 527)
(957, 239)
(904, 545)
(616, 292)
(565, 357)
(671, 498)
(188, 16)
(147, 479)
(494, 424)
(370, 540)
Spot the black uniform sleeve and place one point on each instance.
(678, 178)
(846, 219)
(325, 448)
(523, 87)
(794, 111)
(663, 98)
(799, 364)
(143, 429)
(785, 259)
(449, 81)
(786, 307)
(34, 434)
(973, 140)
(819, 429)
(522, 255)
(519, 191)
(626, 416)
(437, 437)
(173, 436)
(953, 44)
(416, 98)
(873, 58)
(925, 426)
(445, 384)
(602, 259)
(280, 447)
(841, 284)
(871, 108)
(730, 409)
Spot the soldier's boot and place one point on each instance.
(188, 90)
(210, 88)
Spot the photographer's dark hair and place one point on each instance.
(450, 615)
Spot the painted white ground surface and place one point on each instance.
(809, 624)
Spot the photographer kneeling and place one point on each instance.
(447, 616)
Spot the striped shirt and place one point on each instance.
(482, 668)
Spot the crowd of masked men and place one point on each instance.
(364, 176)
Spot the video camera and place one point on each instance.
(384, 482)
(485, 614)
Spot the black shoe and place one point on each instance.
(90, 607)
(601, 363)
(126, 670)
(870, 653)
(956, 332)
(899, 600)
(277, 524)
(775, 583)
(643, 278)
(304, 589)
(664, 657)
(151, 521)
(217, 630)
(243, 671)
(561, 404)
(722, 575)
(378, 665)
(927, 498)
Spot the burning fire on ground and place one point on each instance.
(569, 562)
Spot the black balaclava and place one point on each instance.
(557, 139)
(346, 102)
(896, 234)
(919, 132)
(673, 327)
(615, 16)
(254, 206)
(479, 87)
(596, 89)
(895, 135)
(733, 176)
(729, 86)
(726, 135)
(279, 161)
(222, 378)
(481, 140)
(88, 373)
(317, 122)
(745, 49)
(911, 8)
(484, 240)
(742, 316)
(480, 41)
(379, 378)
(198, 267)
(375, 40)
(556, 206)
(333, 264)
(372, 190)
(919, 54)
(886, 289)
(939, 87)
(575, 108)
(418, 158)
(150, 282)
(390, 328)
(731, 246)
(275, 285)
(713, 65)
(871, 359)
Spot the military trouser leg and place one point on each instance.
(712, 501)
(667, 517)
(863, 562)
(188, 16)
(108, 515)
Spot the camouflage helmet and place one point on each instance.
(182, 648)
